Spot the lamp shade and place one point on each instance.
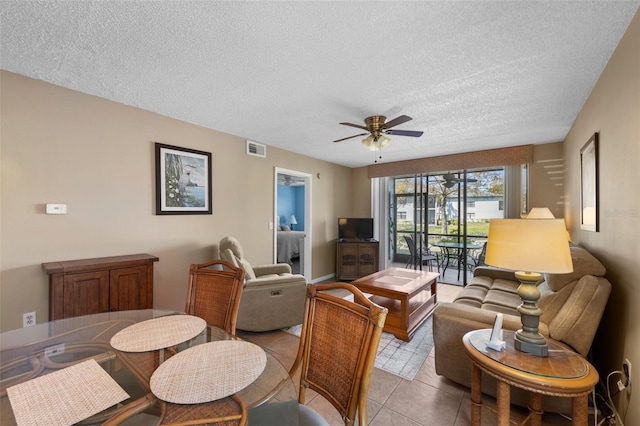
(540, 213)
(292, 220)
(529, 245)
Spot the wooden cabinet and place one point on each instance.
(355, 259)
(91, 286)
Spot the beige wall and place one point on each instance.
(613, 110)
(546, 178)
(97, 156)
(361, 192)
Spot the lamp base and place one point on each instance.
(528, 339)
(540, 349)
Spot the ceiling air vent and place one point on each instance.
(256, 149)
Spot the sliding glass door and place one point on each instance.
(444, 216)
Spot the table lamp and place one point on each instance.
(292, 221)
(540, 213)
(530, 247)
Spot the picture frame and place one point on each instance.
(183, 180)
(589, 220)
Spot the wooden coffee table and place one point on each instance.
(409, 295)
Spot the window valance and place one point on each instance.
(464, 161)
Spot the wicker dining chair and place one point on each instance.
(214, 293)
(338, 346)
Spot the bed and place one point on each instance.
(290, 245)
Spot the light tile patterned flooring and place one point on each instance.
(429, 399)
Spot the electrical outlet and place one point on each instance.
(626, 367)
(28, 319)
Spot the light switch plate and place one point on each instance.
(56, 209)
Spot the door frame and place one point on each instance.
(307, 254)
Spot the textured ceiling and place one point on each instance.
(473, 75)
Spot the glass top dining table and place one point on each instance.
(454, 251)
(32, 352)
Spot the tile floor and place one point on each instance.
(427, 400)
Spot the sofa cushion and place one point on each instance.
(472, 295)
(576, 325)
(483, 282)
(492, 294)
(583, 264)
(551, 302)
(503, 301)
(505, 286)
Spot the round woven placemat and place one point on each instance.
(208, 372)
(158, 333)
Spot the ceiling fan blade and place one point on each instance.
(396, 121)
(350, 137)
(413, 133)
(359, 126)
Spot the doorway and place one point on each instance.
(292, 230)
(447, 216)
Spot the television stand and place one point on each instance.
(356, 258)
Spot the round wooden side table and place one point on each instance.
(563, 373)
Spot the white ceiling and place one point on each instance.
(473, 75)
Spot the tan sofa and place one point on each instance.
(272, 297)
(572, 306)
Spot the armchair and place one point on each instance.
(272, 297)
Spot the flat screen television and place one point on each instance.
(352, 228)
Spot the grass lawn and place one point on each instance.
(473, 228)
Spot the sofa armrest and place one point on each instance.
(451, 321)
(475, 318)
(278, 268)
(495, 273)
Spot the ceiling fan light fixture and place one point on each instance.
(376, 143)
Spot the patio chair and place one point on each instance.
(477, 258)
(426, 256)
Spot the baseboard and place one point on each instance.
(325, 278)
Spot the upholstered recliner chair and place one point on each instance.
(272, 297)
(572, 306)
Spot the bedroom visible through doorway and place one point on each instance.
(292, 220)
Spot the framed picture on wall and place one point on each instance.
(183, 180)
(589, 185)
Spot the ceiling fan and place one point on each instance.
(450, 180)
(288, 180)
(377, 127)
